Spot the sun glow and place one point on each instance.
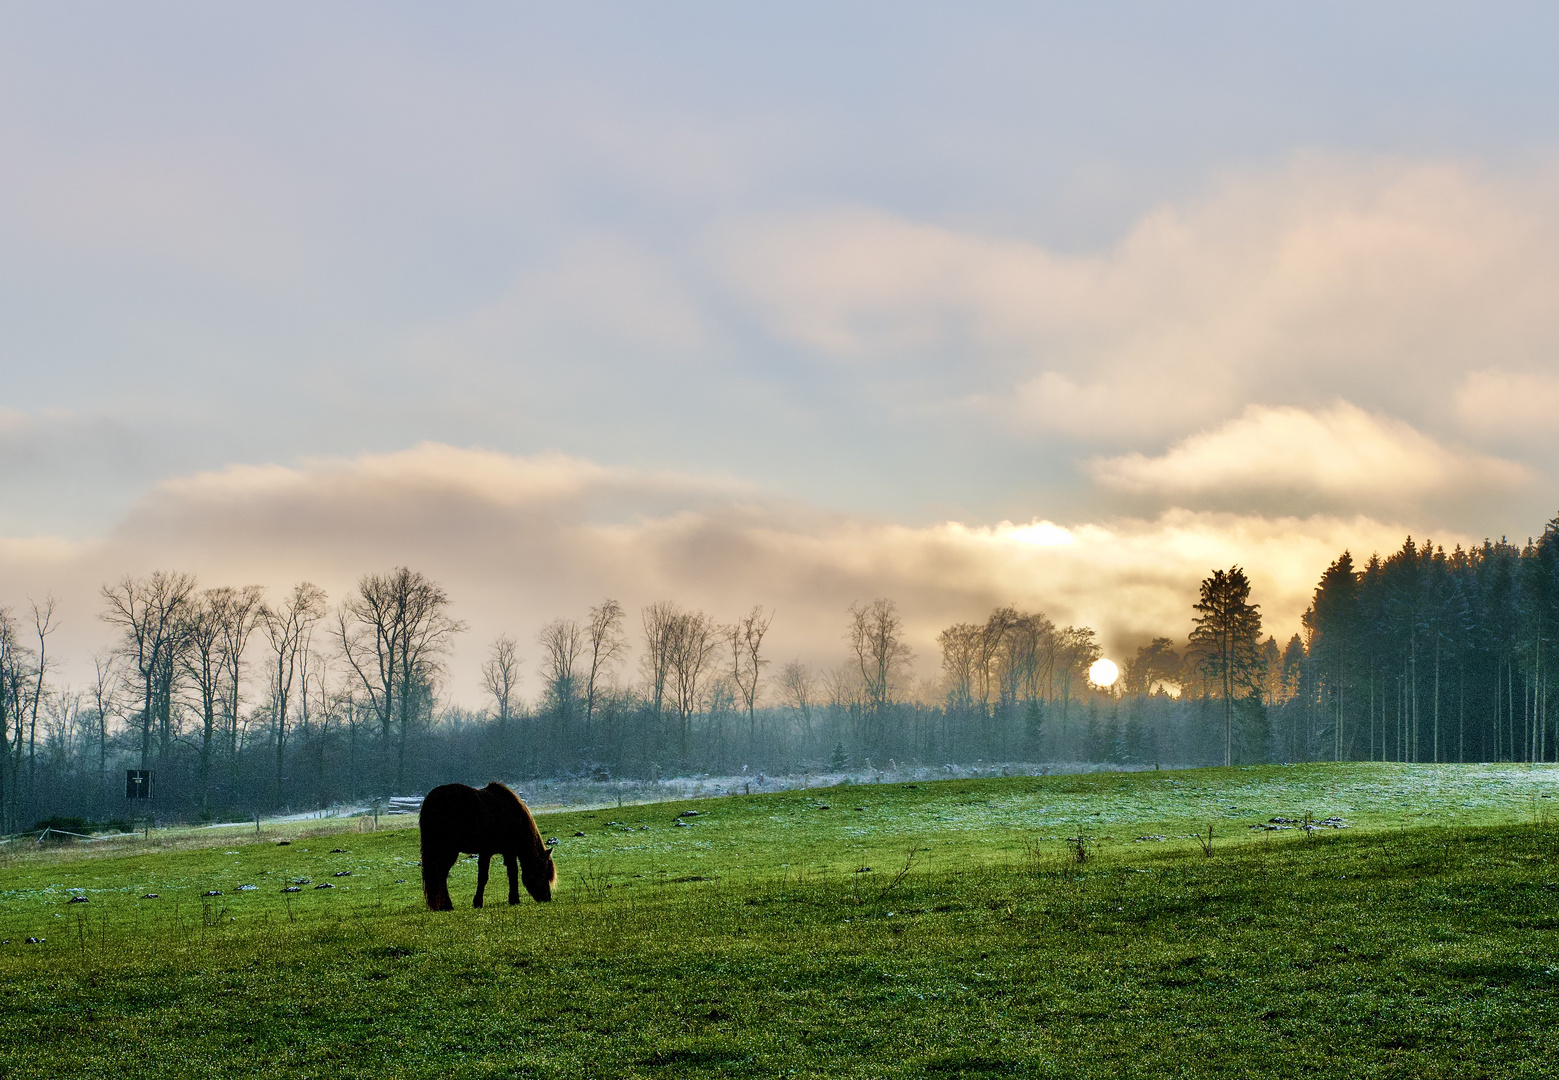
(1103, 673)
(1041, 534)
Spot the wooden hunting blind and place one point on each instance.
(138, 783)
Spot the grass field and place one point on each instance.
(935, 929)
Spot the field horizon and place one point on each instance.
(1057, 925)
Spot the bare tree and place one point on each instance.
(659, 620)
(427, 632)
(1022, 662)
(693, 640)
(501, 675)
(43, 625)
(607, 643)
(201, 659)
(842, 685)
(240, 612)
(747, 663)
(1076, 650)
(993, 638)
(62, 725)
(12, 674)
(289, 627)
(876, 637)
(394, 631)
(315, 712)
(562, 642)
(105, 700)
(960, 655)
(800, 688)
(147, 610)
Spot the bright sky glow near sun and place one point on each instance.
(1103, 672)
(792, 304)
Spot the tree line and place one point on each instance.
(1425, 655)
(242, 704)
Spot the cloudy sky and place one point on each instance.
(793, 304)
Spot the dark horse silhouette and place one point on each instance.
(486, 822)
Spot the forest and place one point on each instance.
(240, 705)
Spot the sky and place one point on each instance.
(796, 305)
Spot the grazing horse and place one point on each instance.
(482, 822)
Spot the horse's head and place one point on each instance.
(540, 877)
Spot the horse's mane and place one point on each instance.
(500, 794)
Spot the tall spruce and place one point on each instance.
(1227, 642)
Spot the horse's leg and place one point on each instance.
(436, 866)
(481, 876)
(511, 864)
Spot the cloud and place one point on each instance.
(520, 540)
(1342, 455)
(1389, 277)
(1509, 406)
(61, 466)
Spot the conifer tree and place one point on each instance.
(1227, 642)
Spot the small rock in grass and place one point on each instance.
(149, 896)
(35, 940)
(679, 823)
(688, 813)
(825, 806)
(212, 892)
(301, 881)
(324, 885)
(77, 900)
(343, 873)
(283, 843)
(614, 823)
(247, 888)
(551, 840)
(338, 851)
(863, 870)
(579, 834)
(400, 881)
(292, 888)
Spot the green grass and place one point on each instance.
(1420, 942)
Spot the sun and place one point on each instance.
(1103, 673)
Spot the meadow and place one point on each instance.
(1031, 926)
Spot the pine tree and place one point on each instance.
(1333, 620)
(1227, 642)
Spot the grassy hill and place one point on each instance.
(940, 928)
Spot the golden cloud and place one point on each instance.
(1391, 278)
(521, 540)
(1342, 453)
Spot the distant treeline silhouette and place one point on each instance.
(242, 706)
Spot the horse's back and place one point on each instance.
(455, 816)
(511, 823)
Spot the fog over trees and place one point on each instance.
(245, 703)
